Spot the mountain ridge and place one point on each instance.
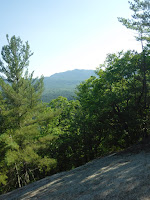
(64, 83)
(72, 74)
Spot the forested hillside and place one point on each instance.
(109, 114)
(64, 84)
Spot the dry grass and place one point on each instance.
(123, 176)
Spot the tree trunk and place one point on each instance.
(18, 177)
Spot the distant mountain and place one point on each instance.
(76, 74)
(64, 83)
(68, 79)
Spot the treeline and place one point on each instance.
(110, 113)
(64, 84)
(49, 95)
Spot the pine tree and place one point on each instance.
(140, 23)
(21, 115)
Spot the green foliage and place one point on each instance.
(22, 116)
(54, 93)
(140, 21)
(115, 101)
(110, 114)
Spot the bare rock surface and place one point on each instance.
(123, 176)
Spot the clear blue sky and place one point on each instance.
(67, 34)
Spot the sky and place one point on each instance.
(67, 34)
